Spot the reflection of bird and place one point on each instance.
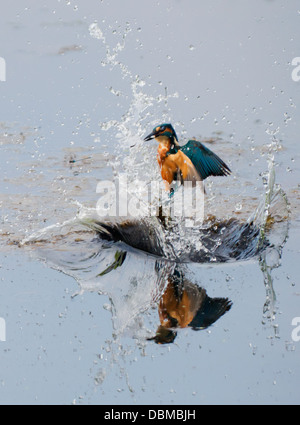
(191, 162)
(184, 304)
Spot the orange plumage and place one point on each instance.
(191, 162)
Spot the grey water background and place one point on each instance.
(219, 70)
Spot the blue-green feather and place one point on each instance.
(205, 161)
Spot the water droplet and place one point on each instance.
(96, 32)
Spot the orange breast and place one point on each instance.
(172, 307)
(172, 164)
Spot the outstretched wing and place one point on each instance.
(205, 161)
(209, 312)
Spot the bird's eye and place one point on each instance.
(162, 128)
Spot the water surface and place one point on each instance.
(90, 320)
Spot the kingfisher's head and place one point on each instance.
(163, 133)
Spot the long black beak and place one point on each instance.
(150, 136)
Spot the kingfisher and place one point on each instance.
(191, 162)
(185, 304)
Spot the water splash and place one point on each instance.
(128, 132)
(131, 261)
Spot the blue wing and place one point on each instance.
(205, 161)
(209, 312)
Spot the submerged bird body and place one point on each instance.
(191, 162)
